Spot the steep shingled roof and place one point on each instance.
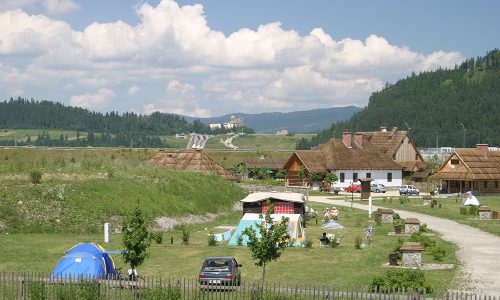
(269, 163)
(336, 155)
(479, 166)
(190, 161)
(386, 141)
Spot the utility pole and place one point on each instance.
(461, 124)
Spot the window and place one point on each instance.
(454, 162)
(342, 177)
(485, 184)
(354, 177)
(389, 177)
(496, 184)
(368, 175)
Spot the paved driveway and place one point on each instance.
(479, 251)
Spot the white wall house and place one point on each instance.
(389, 178)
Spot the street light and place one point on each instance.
(406, 124)
(461, 124)
(437, 140)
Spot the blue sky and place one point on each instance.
(208, 58)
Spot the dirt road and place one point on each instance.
(479, 251)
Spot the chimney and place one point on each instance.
(346, 139)
(383, 129)
(358, 139)
(483, 148)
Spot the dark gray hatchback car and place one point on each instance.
(223, 271)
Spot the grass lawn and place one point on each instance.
(342, 266)
(450, 209)
(175, 143)
(22, 134)
(258, 141)
(228, 159)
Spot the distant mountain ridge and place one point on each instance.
(295, 122)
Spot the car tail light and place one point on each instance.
(229, 276)
(201, 276)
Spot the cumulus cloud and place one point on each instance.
(134, 90)
(58, 7)
(204, 70)
(97, 100)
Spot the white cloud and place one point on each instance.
(134, 90)
(58, 7)
(98, 100)
(205, 70)
(16, 4)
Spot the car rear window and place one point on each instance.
(216, 264)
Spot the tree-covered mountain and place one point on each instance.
(295, 122)
(109, 129)
(433, 105)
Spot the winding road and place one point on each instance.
(479, 251)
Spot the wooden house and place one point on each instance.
(399, 146)
(272, 165)
(193, 160)
(349, 159)
(470, 170)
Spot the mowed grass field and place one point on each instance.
(23, 134)
(343, 266)
(258, 141)
(450, 209)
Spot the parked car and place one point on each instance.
(378, 188)
(220, 271)
(353, 188)
(408, 190)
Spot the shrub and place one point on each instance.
(308, 244)
(438, 253)
(397, 248)
(73, 160)
(473, 210)
(357, 242)
(334, 243)
(239, 240)
(185, 236)
(422, 239)
(36, 176)
(211, 239)
(402, 278)
(463, 210)
(433, 203)
(157, 237)
(423, 228)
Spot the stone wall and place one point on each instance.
(412, 259)
(267, 188)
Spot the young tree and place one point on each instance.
(274, 238)
(136, 238)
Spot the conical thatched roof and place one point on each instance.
(189, 160)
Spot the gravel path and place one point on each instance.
(479, 251)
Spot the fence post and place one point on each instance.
(22, 286)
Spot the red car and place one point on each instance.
(354, 188)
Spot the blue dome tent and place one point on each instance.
(87, 260)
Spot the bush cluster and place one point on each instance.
(402, 278)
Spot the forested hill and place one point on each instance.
(438, 101)
(110, 129)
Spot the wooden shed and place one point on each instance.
(284, 203)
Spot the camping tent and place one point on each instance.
(295, 229)
(470, 200)
(85, 260)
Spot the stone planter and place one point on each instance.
(484, 213)
(387, 215)
(412, 225)
(412, 254)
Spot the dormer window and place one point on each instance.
(454, 161)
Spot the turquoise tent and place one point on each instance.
(85, 260)
(295, 229)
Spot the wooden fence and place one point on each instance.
(40, 287)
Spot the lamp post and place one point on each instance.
(406, 124)
(437, 141)
(461, 124)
